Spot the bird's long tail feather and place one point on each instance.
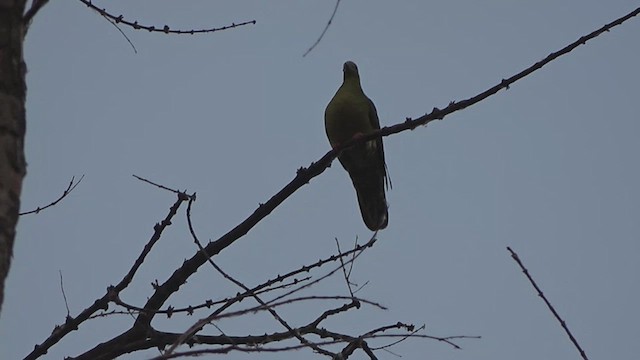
(372, 200)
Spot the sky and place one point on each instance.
(548, 167)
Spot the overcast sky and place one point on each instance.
(548, 167)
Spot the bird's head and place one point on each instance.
(350, 70)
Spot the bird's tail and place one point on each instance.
(372, 200)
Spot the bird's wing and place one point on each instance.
(375, 124)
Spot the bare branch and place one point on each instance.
(410, 328)
(68, 190)
(135, 51)
(357, 251)
(255, 344)
(333, 14)
(36, 5)
(64, 296)
(270, 308)
(549, 305)
(273, 304)
(165, 29)
(102, 303)
(344, 270)
(437, 114)
(180, 193)
(190, 310)
(447, 339)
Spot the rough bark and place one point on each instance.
(12, 127)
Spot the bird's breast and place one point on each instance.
(345, 118)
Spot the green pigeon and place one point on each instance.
(350, 113)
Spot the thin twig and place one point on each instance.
(181, 193)
(335, 10)
(358, 252)
(64, 296)
(191, 309)
(192, 331)
(447, 339)
(251, 342)
(344, 270)
(410, 334)
(121, 33)
(546, 301)
(64, 194)
(164, 29)
(259, 308)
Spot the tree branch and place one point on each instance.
(66, 192)
(165, 29)
(516, 258)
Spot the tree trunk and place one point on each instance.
(13, 91)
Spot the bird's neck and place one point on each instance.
(352, 83)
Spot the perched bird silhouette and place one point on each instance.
(350, 113)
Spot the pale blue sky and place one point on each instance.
(549, 167)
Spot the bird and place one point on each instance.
(349, 114)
